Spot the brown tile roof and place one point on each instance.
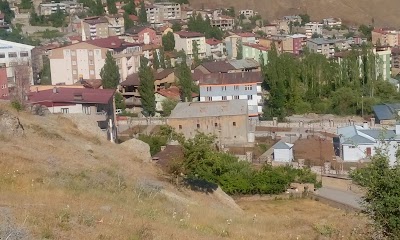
(246, 34)
(95, 20)
(218, 66)
(256, 46)
(110, 42)
(137, 29)
(185, 34)
(134, 18)
(131, 80)
(231, 78)
(163, 74)
(213, 41)
(172, 92)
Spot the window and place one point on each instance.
(235, 97)
(223, 88)
(73, 53)
(209, 98)
(224, 98)
(65, 110)
(23, 54)
(248, 87)
(97, 52)
(90, 62)
(352, 146)
(249, 97)
(90, 53)
(91, 72)
(74, 63)
(12, 54)
(2, 55)
(208, 89)
(198, 126)
(215, 124)
(180, 126)
(236, 87)
(86, 110)
(234, 124)
(74, 72)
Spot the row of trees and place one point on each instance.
(56, 19)
(317, 84)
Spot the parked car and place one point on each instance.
(118, 111)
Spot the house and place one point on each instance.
(235, 39)
(332, 22)
(214, 48)
(229, 66)
(387, 113)
(143, 34)
(360, 143)
(157, 13)
(231, 86)
(256, 52)
(84, 60)
(184, 41)
(13, 54)
(102, 27)
(223, 22)
(283, 152)
(247, 13)
(313, 28)
(172, 93)
(323, 46)
(69, 7)
(4, 92)
(227, 120)
(382, 37)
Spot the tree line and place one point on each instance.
(313, 83)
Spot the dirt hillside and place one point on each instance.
(384, 12)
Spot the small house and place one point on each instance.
(283, 152)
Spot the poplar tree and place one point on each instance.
(142, 13)
(185, 81)
(110, 73)
(156, 62)
(112, 9)
(162, 59)
(146, 88)
(195, 50)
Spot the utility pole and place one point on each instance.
(362, 106)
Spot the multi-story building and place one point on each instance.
(325, 47)
(294, 43)
(233, 41)
(215, 48)
(270, 29)
(157, 13)
(384, 37)
(227, 120)
(13, 54)
(102, 27)
(396, 57)
(184, 41)
(223, 22)
(84, 60)
(143, 34)
(247, 13)
(332, 22)
(4, 93)
(293, 18)
(68, 7)
(313, 28)
(255, 51)
(230, 86)
(383, 63)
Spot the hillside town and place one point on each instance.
(310, 93)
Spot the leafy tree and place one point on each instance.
(198, 24)
(195, 50)
(305, 18)
(6, 10)
(168, 41)
(26, 4)
(130, 8)
(110, 73)
(111, 7)
(185, 81)
(156, 61)
(176, 27)
(97, 8)
(146, 88)
(45, 74)
(229, 12)
(142, 13)
(57, 19)
(128, 22)
(168, 105)
(366, 31)
(162, 59)
(119, 101)
(239, 47)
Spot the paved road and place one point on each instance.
(346, 197)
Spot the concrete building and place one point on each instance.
(292, 18)
(13, 54)
(184, 41)
(231, 86)
(385, 37)
(294, 43)
(232, 42)
(229, 66)
(247, 13)
(255, 51)
(69, 7)
(102, 27)
(143, 34)
(215, 49)
(227, 120)
(383, 63)
(283, 152)
(332, 22)
(159, 12)
(223, 22)
(270, 29)
(313, 28)
(84, 60)
(396, 57)
(360, 143)
(323, 46)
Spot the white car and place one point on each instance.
(118, 111)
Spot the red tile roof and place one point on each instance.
(231, 78)
(172, 92)
(110, 42)
(256, 46)
(246, 34)
(185, 34)
(75, 38)
(213, 41)
(134, 18)
(218, 66)
(95, 20)
(67, 96)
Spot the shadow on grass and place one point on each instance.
(200, 185)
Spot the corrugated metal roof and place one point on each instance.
(282, 145)
(379, 134)
(244, 63)
(210, 109)
(386, 111)
(357, 140)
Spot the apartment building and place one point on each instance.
(223, 22)
(292, 18)
(215, 48)
(247, 13)
(184, 41)
(159, 12)
(102, 27)
(313, 28)
(84, 60)
(232, 86)
(143, 34)
(396, 57)
(294, 43)
(385, 37)
(13, 54)
(323, 46)
(256, 52)
(383, 63)
(270, 29)
(332, 22)
(68, 7)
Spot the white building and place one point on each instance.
(159, 12)
(12, 54)
(215, 48)
(283, 152)
(313, 28)
(361, 143)
(332, 22)
(184, 41)
(247, 13)
(65, 6)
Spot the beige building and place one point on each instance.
(68, 7)
(102, 27)
(385, 37)
(184, 41)
(313, 28)
(157, 13)
(84, 60)
(227, 120)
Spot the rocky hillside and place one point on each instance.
(384, 12)
(59, 179)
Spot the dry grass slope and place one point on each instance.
(57, 182)
(385, 12)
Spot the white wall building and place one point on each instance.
(184, 41)
(283, 152)
(11, 54)
(247, 13)
(159, 12)
(215, 49)
(313, 28)
(65, 6)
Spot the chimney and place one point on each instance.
(365, 125)
(397, 128)
(55, 90)
(163, 148)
